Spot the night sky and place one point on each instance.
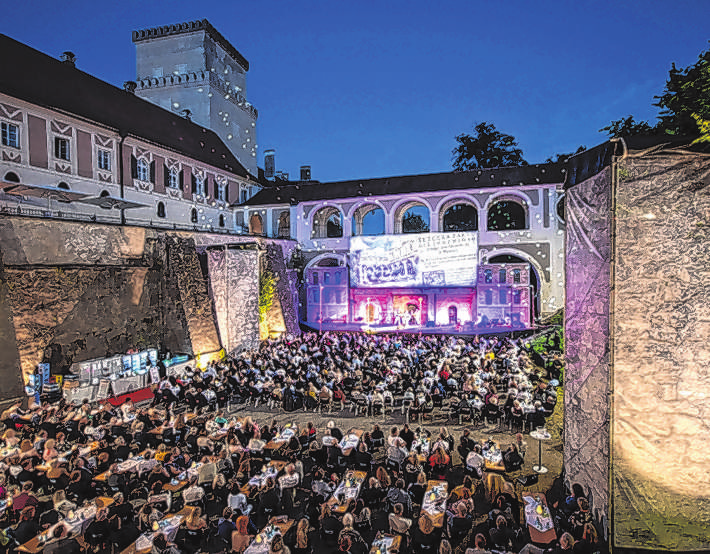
(370, 89)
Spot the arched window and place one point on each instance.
(11, 177)
(161, 209)
(284, 228)
(104, 194)
(460, 217)
(369, 220)
(415, 220)
(506, 215)
(63, 186)
(327, 223)
(256, 225)
(193, 215)
(221, 220)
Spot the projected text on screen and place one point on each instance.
(422, 260)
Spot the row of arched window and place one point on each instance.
(504, 215)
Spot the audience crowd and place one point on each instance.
(194, 472)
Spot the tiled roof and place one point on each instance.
(294, 193)
(34, 77)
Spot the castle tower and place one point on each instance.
(191, 69)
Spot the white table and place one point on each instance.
(540, 436)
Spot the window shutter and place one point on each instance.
(194, 184)
(152, 172)
(166, 176)
(216, 190)
(134, 167)
(226, 192)
(180, 180)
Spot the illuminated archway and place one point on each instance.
(327, 223)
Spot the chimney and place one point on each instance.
(269, 164)
(69, 58)
(130, 86)
(305, 173)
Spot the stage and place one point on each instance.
(467, 330)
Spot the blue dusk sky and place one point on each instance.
(380, 88)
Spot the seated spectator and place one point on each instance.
(241, 539)
(398, 523)
(502, 536)
(512, 460)
(28, 527)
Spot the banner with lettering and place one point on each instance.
(414, 260)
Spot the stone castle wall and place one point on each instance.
(74, 291)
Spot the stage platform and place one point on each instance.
(464, 331)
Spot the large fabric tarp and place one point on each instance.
(660, 353)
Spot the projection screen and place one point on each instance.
(421, 260)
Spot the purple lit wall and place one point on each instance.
(588, 246)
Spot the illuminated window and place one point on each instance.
(326, 278)
(10, 134)
(104, 159)
(142, 170)
(61, 148)
(174, 178)
(487, 276)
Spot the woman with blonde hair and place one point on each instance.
(50, 452)
(383, 477)
(302, 545)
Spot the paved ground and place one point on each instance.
(551, 449)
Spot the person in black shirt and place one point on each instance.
(407, 435)
(28, 527)
(334, 431)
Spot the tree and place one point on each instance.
(687, 92)
(487, 148)
(627, 127)
(558, 158)
(684, 102)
